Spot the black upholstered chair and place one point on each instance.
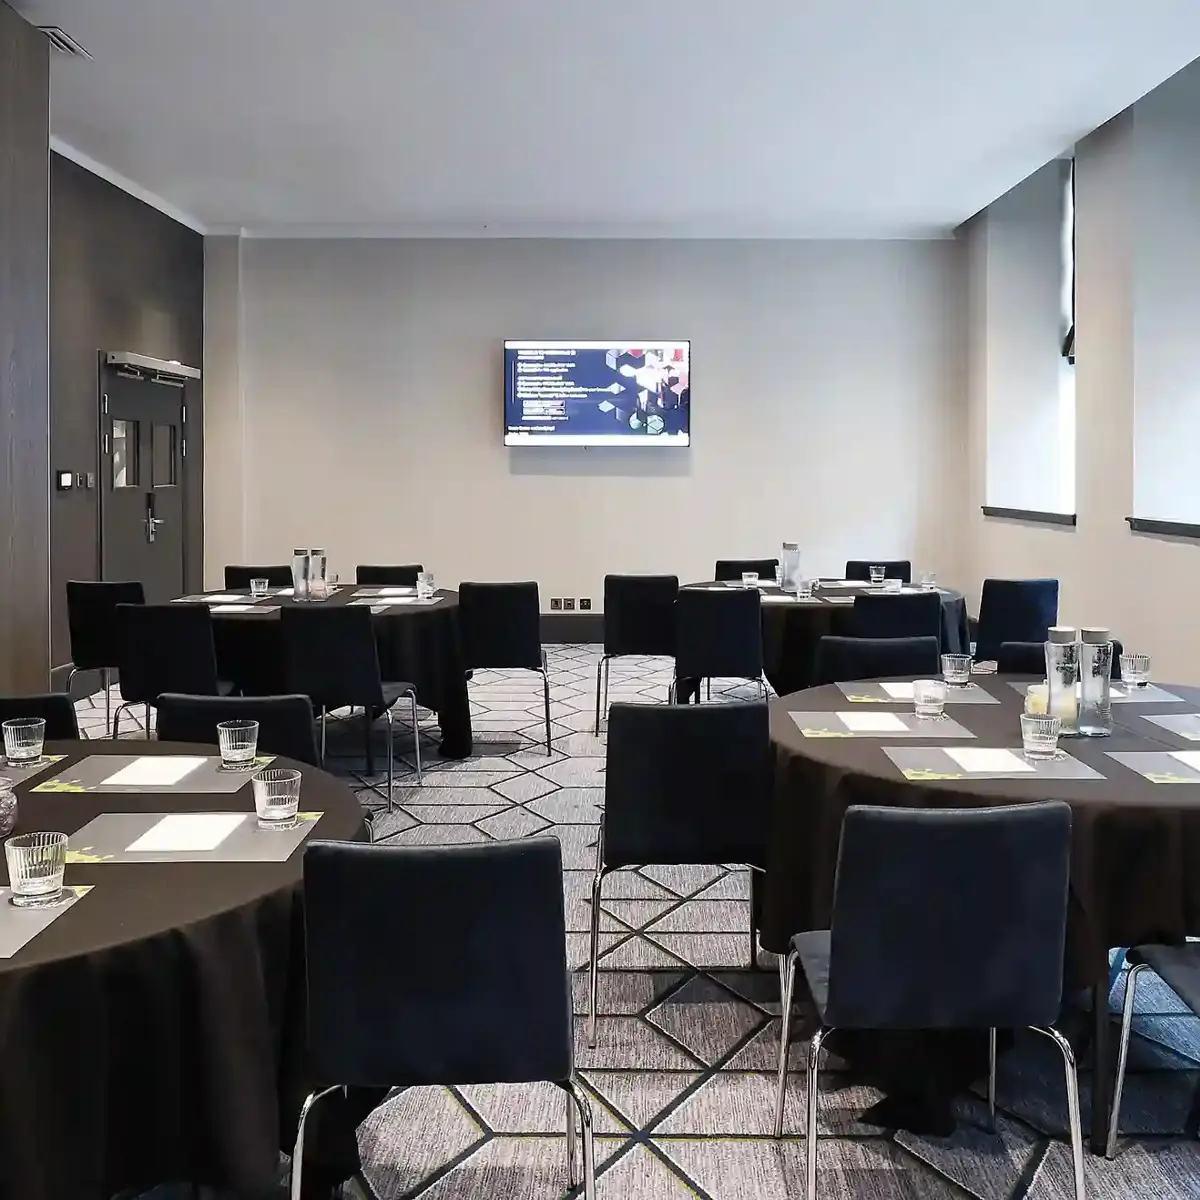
(491, 1001)
(1179, 968)
(683, 785)
(730, 570)
(92, 620)
(54, 708)
(639, 618)
(718, 635)
(501, 629)
(285, 723)
(164, 648)
(397, 576)
(918, 615)
(942, 919)
(1014, 610)
(843, 659)
(237, 579)
(1029, 658)
(894, 568)
(331, 657)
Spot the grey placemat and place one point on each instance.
(19, 926)
(92, 774)
(20, 772)
(1123, 694)
(923, 763)
(829, 725)
(876, 693)
(386, 590)
(381, 604)
(107, 838)
(1185, 725)
(1158, 766)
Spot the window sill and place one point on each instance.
(1030, 515)
(1178, 529)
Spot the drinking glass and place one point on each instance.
(877, 574)
(1037, 699)
(331, 581)
(778, 575)
(238, 741)
(929, 697)
(1039, 735)
(956, 669)
(8, 807)
(893, 586)
(425, 585)
(36, 862)
(259, 588)
(749, 579)
(276, 794)
(804, 588)
(23, 740)
(929, 581)
(1135, 669)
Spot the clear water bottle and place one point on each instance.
(301, 563)
(1095, 683)
(1062, 677)
(789, 566)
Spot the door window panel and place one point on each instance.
(124, 454)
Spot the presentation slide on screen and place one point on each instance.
(596, 393)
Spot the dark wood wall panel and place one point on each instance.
(123, 276)
(24, 402)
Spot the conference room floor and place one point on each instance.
(682, 1078)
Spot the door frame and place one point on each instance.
(187, 380)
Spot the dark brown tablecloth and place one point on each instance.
(1135, 869)
(418, 644)
(155, 1031)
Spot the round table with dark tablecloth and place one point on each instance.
(418, 644)
(792, 628)
(155, 1030)
(1135, 868)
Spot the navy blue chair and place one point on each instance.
(1029, 658)
(718, 635)
(491, 1002)
(731, 570)
(285, 723)
(639, 618)
(55, 708)
(95, 636)
(942, 919)
(1014, 610)
(237, 579)
(844, 659)
(404, 575)
(895, 568)
(898, 616)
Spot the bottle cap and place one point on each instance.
(1095, 635)
(1062, 634)
(791, 545)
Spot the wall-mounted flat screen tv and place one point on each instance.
(597, 393)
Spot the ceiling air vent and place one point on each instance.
(63, 42)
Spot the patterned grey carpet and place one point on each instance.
(682, 1078)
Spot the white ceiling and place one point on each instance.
(758, 118)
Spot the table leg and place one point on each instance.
(1101, 1068)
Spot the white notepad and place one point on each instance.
(187, 831)
(156, 771)
(223, 599)
(1189, 758)
(397, 591)
(861, 722)
(233, 608)
(898, 691)
(977, 760)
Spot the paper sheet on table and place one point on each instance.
(1189, 758)
(223, 599)
(233, 608)
(187, 831)
(397, 591)
(898, 691)
(860, 722)
(284, 591)
(156, 771)
(978, 760)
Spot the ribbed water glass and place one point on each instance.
(259, 588)
(893, 586)
(877, 574)
(23, 740)
(425, 585)
(956, 669)
(750, 579)
(1135, 669)
(276, 794)
(1039, 735)
(36, 862)
(929, 697)
(804, 588)
(929, 581)
(238, 741)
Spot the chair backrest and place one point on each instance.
(950, 918)
(898, 616)
(893, 568)
(398, 576)
(688, 783)
(491, 1002)
(842, 659)
(500, 624)
(718, 633)
(732, 569)
(285, 723)
(1014, 610)
(1029, 658)
(92, 619)
(165, 648)
(238, 578)
(330, 655)
(639, 614)
(53, 707)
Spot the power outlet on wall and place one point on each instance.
(585, 604)
(569, 604)
(556, 604)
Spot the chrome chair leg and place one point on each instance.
(814, 1057)
(599, 672)
(707, 689)
(387, 712)
(298, 1149)
(147, 722)
(992, 1078)
(594, 955)
(546, 693)
(584, 1106)
(106, 683)
(572, 1143)
(322, 735)
(116, 722)
(416, 737)
(787, 979)
(1114, 1119)
(1076, 1123)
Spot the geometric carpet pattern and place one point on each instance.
(682, 1077)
